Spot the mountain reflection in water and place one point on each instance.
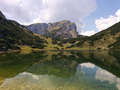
(60, 70)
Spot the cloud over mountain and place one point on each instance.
(104, 23)
(32, 11)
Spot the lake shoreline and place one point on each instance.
(11, 51)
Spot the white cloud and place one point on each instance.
(88, 33)
(104, 23)
(29, 11)
(88, 65)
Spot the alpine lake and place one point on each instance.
(60, 70)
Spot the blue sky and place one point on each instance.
(104, 9)
(90, 16)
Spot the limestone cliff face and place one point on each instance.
(39, 28)
(62, 30)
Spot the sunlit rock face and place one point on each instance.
(63, 29)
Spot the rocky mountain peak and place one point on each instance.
(62, 29)
(1, 15)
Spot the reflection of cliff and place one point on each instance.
(60, 68)
(58, 63)
(84, 79)
(63, 63)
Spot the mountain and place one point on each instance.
(104, 40)
(13, 35)
(64, 36)
(61, 30)
(1, 15)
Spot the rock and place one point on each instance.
(62, 30)
(39, 28)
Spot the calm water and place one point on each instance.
(60, 70)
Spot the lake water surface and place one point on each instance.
(60, 70)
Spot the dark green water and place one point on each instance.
(60, 70)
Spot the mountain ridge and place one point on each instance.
(13, 36)
(2, 15)
(104, 40)
(61, 30)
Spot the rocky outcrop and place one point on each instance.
(1, 15)
(62, 30)
(39, 28)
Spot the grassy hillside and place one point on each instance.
(12, 35)
(104, 40)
